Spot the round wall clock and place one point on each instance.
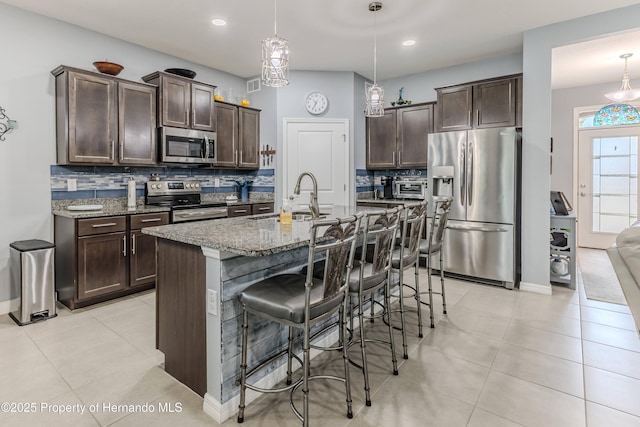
(316, 103)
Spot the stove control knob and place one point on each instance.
(197, 185)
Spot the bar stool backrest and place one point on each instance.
(379, 231)
(335, 239)
(441, 207)
(411, 224)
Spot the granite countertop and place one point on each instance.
(111, 207)
(257, 235)
(118, 206)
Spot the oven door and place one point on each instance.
(197, 214)
(187, 146)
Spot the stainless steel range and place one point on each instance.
(184, 198)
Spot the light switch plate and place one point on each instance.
(72, 184)
(212, 302)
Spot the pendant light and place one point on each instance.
(275, 57)
(374, 93)
(619, 112)
(625, 93)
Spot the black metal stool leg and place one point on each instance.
(243, 366)
(345, 357)
(402, 310)
(417, 297)
(363, 350)
(444, 300)
(387, 307)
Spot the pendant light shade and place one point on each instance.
(616, 114)
(275, 58)
(374, 93)
(625, 93)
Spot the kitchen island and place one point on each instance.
(202, 268)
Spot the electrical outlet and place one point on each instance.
(216, 182)
(212, 302)
(72, 184)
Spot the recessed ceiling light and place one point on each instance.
(408, 43)
(219, 22)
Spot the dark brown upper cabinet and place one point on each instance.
(398, 140)
(237, 136)
(482, 104)
(182, 102)
(104, 120)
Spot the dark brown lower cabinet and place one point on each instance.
(98, 259)
(102, 264)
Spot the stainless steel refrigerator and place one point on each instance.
(481, 170)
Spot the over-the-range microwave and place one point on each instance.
(186, 146)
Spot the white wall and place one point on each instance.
(421, 87)
(563, 102)
(538, 44)
(338, 87)
(33, 46)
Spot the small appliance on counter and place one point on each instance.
(387, 184)
(410, 188)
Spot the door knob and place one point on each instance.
(583, 194)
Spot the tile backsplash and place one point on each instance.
(96, 182)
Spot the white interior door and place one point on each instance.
(607, 184)
(320, 147)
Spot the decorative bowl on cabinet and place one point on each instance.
(110, 68)
(181, 72)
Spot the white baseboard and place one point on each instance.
(9, 306)
(535, 287)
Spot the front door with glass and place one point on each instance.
(607, 184)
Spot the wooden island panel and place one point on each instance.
(181, 312)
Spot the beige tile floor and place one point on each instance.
(498, 358)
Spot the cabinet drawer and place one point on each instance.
(149, 220)
(262, 208)
(110, 224)
(239, 210)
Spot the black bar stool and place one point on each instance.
(301, 301)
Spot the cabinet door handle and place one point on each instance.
(124, 245)
(152, 220)
(186, 116)
(240, 211)
(393, 158)
(121, 150)
(235, 160)
(478, 116)
(264, 209)
(113, 150)
(106, 224)
(240, 158)
(193, 116)
(470, 118)
(399, 158)
(133, 244)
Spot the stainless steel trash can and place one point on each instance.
(32, 278)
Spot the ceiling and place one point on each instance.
(337, 35)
